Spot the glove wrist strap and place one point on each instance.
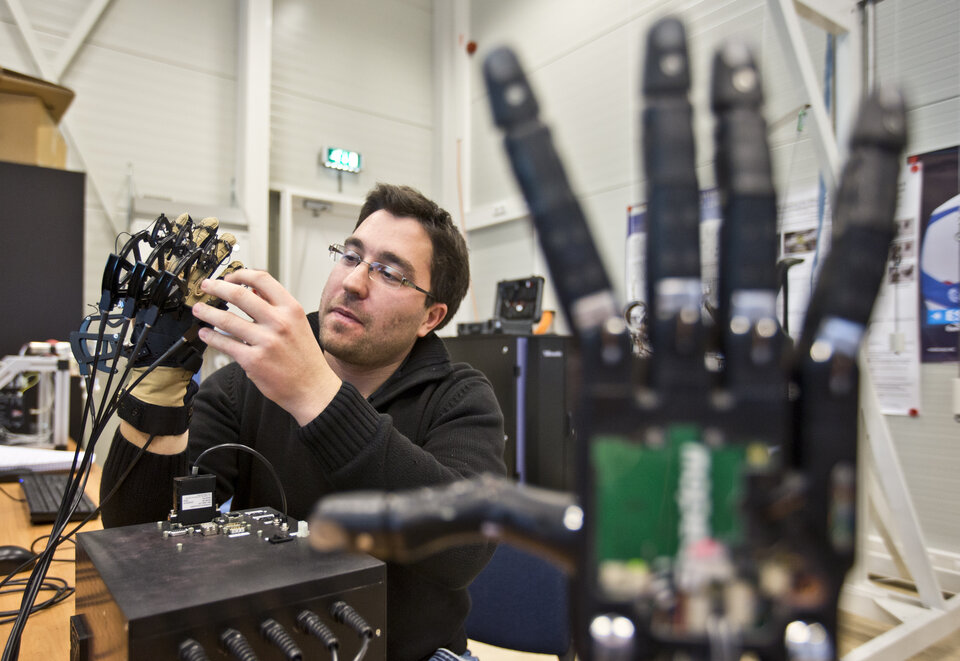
(153, 419)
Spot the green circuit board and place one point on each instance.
(650, 495)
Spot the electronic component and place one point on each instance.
(193, 499)
(172, 591)
(13, 416)
(519, 300)
(79, 638)
(517, 308)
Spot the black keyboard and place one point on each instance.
(44, 491)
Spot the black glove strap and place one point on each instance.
(152, 419)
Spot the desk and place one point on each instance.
(47, 634)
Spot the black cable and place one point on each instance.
(37, 578)
(234, 643)
(33, 585)
(11, 496)
(191, 650)
(92, 515)
(239, 446)
(344, 613)
(37, 539)
(90, 408)
(116, 241)
(363, 649)
(116, 358)
(58, 586)
(274, 632)
(310, 623)
(55, 538)
(11, 649)
(114, 490)
(79, 475)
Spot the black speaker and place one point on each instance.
(41, 216)
(529, 377)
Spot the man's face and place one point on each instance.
(366, 323)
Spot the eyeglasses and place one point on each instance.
(385, 275)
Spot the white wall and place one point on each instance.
(355, 75)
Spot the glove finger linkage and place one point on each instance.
(148, 289)
(196, 253)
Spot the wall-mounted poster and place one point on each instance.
(939, 254)
(893, 344)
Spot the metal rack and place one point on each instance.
(53, 394)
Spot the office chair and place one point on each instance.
(520, 602)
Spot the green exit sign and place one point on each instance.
(342, 159)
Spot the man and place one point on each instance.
(360, 395)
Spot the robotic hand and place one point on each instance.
(715, 505)
(152, 297)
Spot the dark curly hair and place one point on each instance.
(450, 265)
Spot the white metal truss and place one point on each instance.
(923, 621)
(253, 117)
(787, 22)
(926, 620)
(55, 72)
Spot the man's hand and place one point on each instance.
(275, 347)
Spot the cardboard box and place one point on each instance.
(30, 110)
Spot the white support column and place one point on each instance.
(849, 75)
(922, 622)
(286, 237)
(451, 67)
(61, 405)
(932, 617)
(850, 84)
(255, 29)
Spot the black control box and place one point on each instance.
(518, 306)
(145, 591)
